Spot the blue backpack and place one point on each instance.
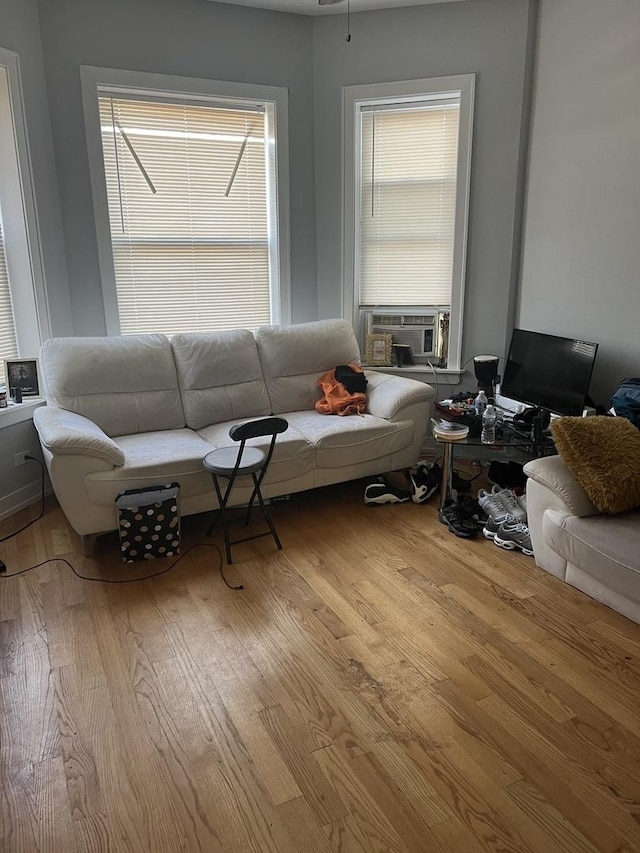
(626, 400)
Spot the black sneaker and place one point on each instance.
(425, 482)
(473, 510)
(383, 492)
(453, 515)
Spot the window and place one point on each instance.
(23, 312)
(192, 198)
(407, 200)
(8, 341)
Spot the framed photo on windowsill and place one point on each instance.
(22, 374)
(379, 350)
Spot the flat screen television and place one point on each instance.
(548, 372)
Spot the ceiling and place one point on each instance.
(312, 7)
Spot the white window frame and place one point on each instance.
(101, 81)
(407, 91)
(22, 243)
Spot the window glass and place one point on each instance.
(188, 188)
(8, 342)
(23, 308)
(408, 170)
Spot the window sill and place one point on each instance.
(16, 413)
(421, 372)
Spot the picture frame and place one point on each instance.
(22, 373)
(379, 350)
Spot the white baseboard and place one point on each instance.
(25, 496)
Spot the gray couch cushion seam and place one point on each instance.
(222, 385)
(126, 391)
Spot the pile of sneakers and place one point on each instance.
(506, 525)
(500, 514)
(424, 483)
(463, 516)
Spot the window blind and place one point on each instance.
(8, 343)
(187, 194)
(407, 204)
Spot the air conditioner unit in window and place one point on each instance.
(413, 326)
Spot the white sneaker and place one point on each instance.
(509, 502)
(491, 505)
(522, 502)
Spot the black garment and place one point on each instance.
(353, 381)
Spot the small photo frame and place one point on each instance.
(22, 373)
(380, 350)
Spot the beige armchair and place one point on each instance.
(596, 553)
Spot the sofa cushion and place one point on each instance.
(220, 377)
(342, 441)
(601, 546)
(293, 454)
(293, 358)
(125, 384)
(154, 457)
(603, 454)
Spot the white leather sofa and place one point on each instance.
(126, 412)
(596, 553)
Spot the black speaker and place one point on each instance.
(485, 368)
(525, 419)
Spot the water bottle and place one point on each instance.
(489, 418)
(480, 403)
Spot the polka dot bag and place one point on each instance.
(149, 522)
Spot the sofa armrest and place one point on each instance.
(551, 472)
(66, 433)
(388, 395)
(552, 487)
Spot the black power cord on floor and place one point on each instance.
(5, 576)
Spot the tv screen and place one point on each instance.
(548, 371)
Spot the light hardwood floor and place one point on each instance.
(379, 685)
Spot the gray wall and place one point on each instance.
(19, 31)
(19, 486)
(190, 38)
(491, 38)
(581, 258)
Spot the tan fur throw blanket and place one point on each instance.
(603, 454)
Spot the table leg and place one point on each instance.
(447, 469)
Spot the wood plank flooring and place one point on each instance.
(379, 685)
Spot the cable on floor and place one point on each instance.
(5, 576)
(3, 569)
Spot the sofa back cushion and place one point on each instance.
(293, 357)
(125, 384)
(220, 377)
